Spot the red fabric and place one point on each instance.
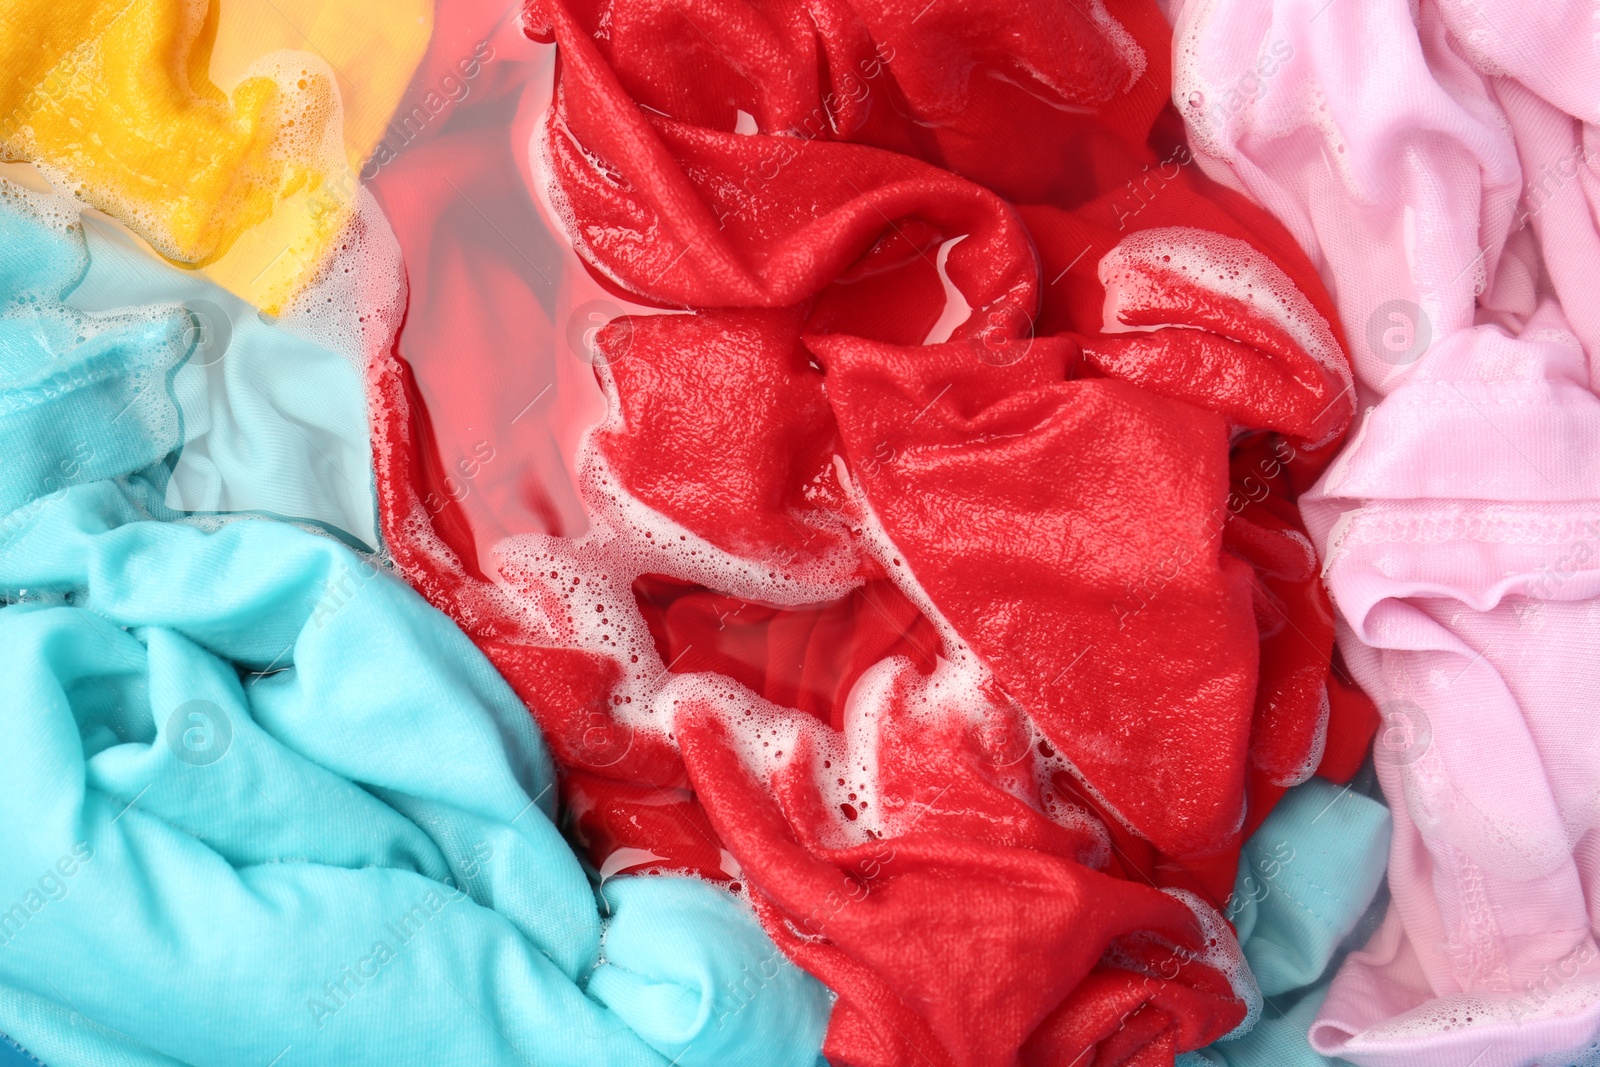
(1103, 518)
(806, 657)
(966, 938)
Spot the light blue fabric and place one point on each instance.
(264, 805)
(1277, 1040)
(1305, 879)
(14, 1055)
(81, 397)
(110, 356)
(260, 796)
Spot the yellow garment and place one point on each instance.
(119, 102)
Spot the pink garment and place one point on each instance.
(1442, 169)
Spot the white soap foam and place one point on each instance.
(1488, 1010)
(558, 206)
(59, 325)
(354, 303)
(1223, 954)
(306, 125)
(1219, 950)
(1138, 272)
(578, 592)
(1121, 40)
(1319, 745)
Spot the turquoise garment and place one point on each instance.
(112, 361)
(1306, 877)
(82, 397)
(283, 804)
(285, 807)
(1277, 1040)
(14, 1055)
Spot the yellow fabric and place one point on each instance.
(119, 101)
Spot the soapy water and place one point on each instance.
(550, 522)
(563, 541)
(539, 514)
(1143, 271)
(264, 416)
(294, 100)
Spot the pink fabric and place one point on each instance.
(1440, 164)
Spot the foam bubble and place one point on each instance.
(1138, 275)
(294, 98)
(354, 303)
(1223, 954)
(1319, 745)
(1219, 950)
(1485, 1010)
(60, 328)
(1190, 84)
(1121, 40)
(578, 593)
